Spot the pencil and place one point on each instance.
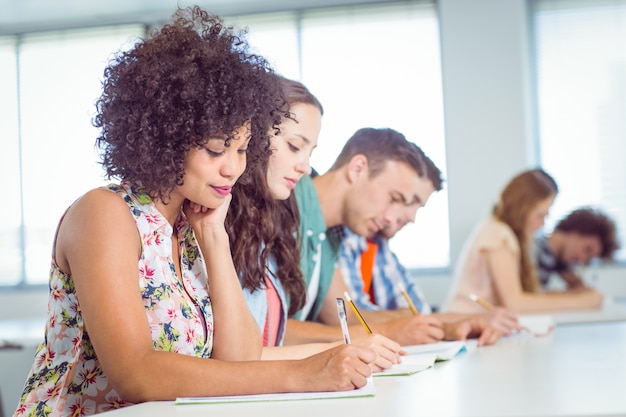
(487, 305)
(408, 299)
(357, 312)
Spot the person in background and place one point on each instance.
(263, 223)
(144, 301)
(374, 177)
(376, 278)
(496, 263)
(578, 238)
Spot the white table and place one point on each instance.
(578, 370)
(24, 334)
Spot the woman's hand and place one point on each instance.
(341, 368)
(387, 351)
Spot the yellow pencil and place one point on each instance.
(487, 305)
(357, 312)
(408, 299)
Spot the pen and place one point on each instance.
(357, 312)
(341, 310)
(408, 299)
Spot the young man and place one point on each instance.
(375, 177)
(372, 272)
(375, 276)
(581, 236)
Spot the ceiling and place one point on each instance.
(19, 16)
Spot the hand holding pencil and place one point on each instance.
(503, 319)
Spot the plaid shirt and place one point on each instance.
(388, 272)
(546, 260)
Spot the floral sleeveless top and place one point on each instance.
(66, 377)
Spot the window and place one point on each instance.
(581, 77)
(11, 265)
(48, 154)
(375, 66)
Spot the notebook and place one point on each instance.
(365, 391)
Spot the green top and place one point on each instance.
(315, 239)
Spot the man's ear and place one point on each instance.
(357, 167)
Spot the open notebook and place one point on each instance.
(365, 391)
(442, 350)
(537, 324)
(411, 364)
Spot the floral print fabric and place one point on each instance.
(66, 377)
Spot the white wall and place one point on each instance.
(486, 102)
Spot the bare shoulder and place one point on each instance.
(96, 209)
(99, 220)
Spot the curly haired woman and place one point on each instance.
(145, 303)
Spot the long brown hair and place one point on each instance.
(260, 226)
(518, 198)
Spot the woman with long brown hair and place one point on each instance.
(263, 226)
(496, 264)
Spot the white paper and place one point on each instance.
(443, 350)
(411, 364)
(365, 391)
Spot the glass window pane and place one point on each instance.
(60, 78)
(581, 66)
(380, 67)
(373, 66)
(370, 66)
(11, 265)
(275, 37)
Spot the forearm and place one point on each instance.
(548, 302)
(299, 332)
(236, 336)
(297, 351)
(572, 280)
(192, 376)
(382, 316)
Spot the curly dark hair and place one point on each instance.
(590, 221)
(188, 82)
(259, 224)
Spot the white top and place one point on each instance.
(471, 273)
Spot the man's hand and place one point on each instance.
(472, 327)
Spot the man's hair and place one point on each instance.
(589, 221)
(433, 173)
(380, 146)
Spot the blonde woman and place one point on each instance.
(495, 263)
